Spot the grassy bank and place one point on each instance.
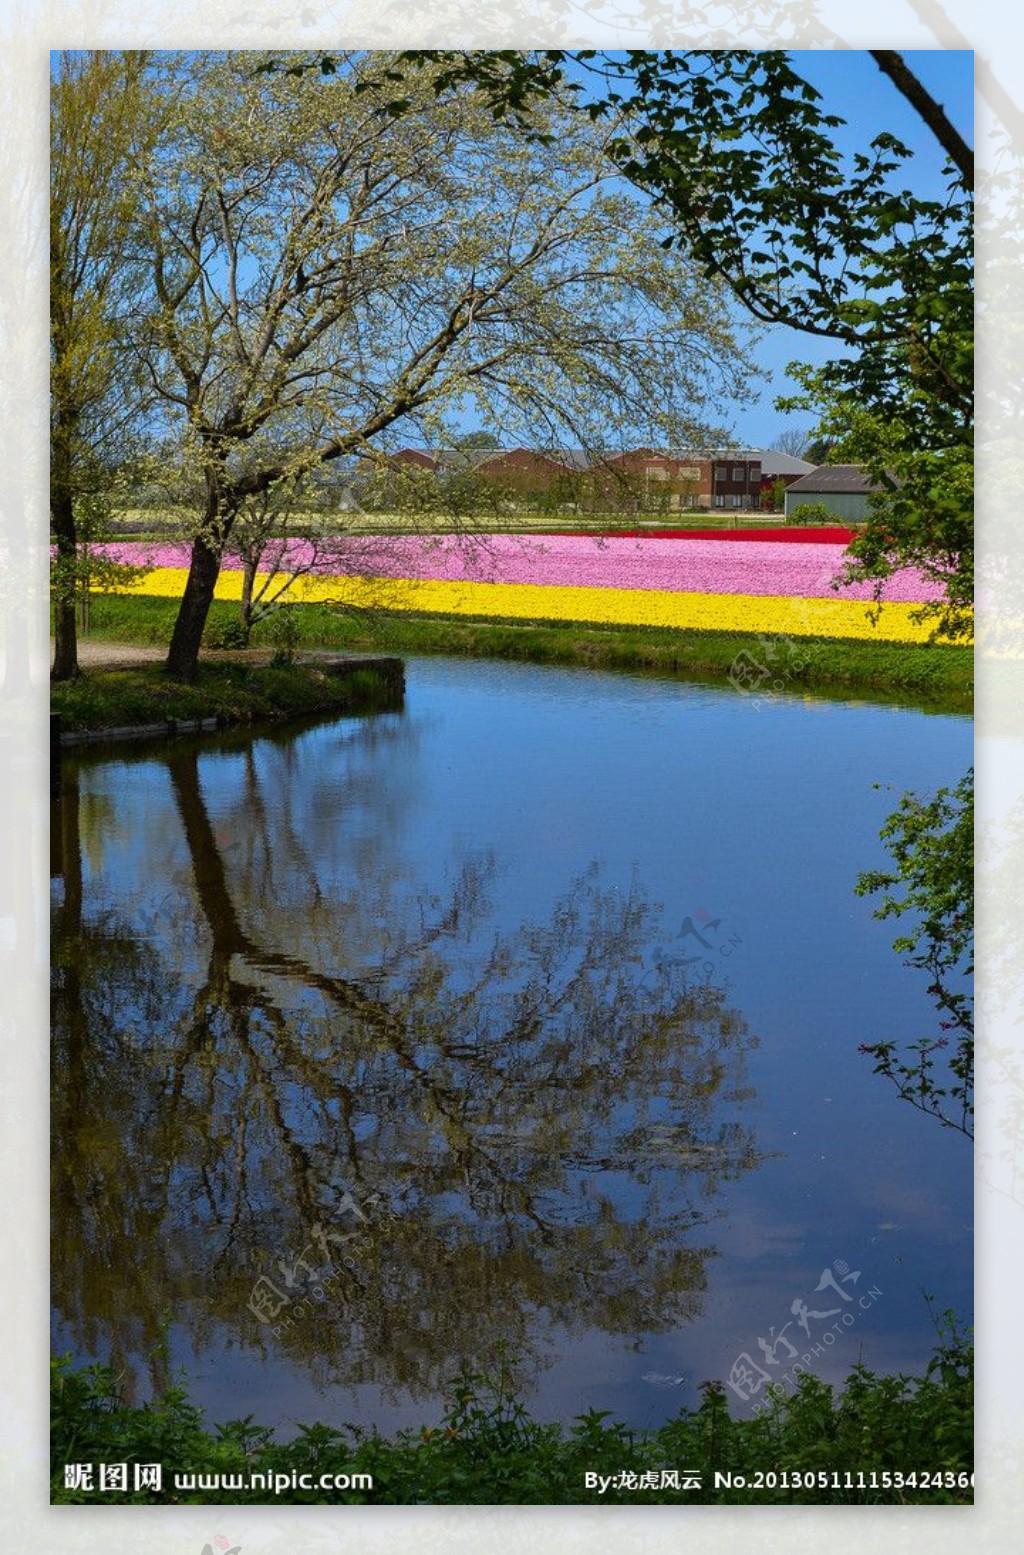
(814, 1446)
(938, 675)
(233, 692)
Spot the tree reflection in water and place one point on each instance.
(246, 1026)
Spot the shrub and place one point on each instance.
(282, 630)
(811, 513)
(226, 634)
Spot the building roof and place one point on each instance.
(465, 459)
(836, 478)
(775, 463)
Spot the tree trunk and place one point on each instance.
(183, 654)
(207, 550)
(65, 632)
(249, 566)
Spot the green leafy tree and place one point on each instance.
(820, 450)
(931, 842)
(277, 548)
(75, 577)
(739, 152)
(811, 513)
(774, 499)
(98, 119)
(477, 440)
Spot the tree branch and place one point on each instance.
(893, 65)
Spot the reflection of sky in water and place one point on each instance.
(760, 819)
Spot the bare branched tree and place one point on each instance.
(330, 275)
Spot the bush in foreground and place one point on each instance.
(815, 1446)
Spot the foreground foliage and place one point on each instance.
(931, 844)
(487, 1448)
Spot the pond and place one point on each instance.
(517, 1028)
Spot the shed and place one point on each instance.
(845, 489)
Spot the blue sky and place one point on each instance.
(854, 87)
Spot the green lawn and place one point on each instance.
(934, 676)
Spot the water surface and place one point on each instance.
(547, 992)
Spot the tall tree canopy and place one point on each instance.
(98, 125)
(325, 268)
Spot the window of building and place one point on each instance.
(738, 472)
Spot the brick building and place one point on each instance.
(647, 480)
(631, 481)
(527, 475)
(736, 481)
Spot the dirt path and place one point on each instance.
(97, 654)
(94, 654)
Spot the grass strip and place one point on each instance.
(941, 678)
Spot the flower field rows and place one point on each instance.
(771, 586)
(701, 566)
